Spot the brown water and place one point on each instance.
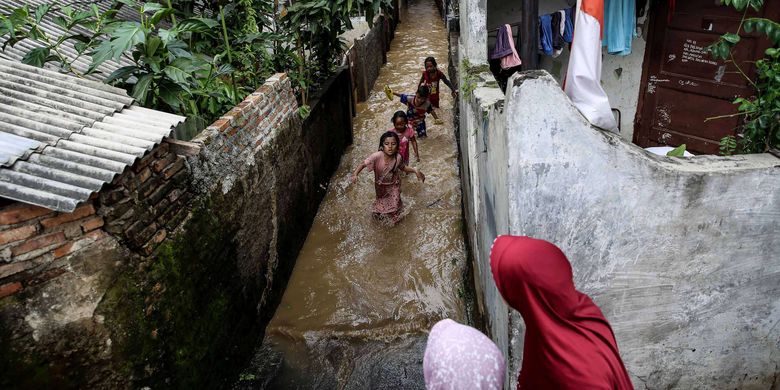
(363, 295)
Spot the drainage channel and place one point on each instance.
(363, 295)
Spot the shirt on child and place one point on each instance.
(404, 138)
(415, 114)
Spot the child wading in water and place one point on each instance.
(387, 165)
(405, 136)
(418, 106)
(430, 78)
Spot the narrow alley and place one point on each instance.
(363, 295)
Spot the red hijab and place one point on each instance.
(568, 342)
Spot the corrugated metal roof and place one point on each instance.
(81, 62)
(62, 137)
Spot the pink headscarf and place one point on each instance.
(461, 357)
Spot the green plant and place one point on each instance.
(196, 58)
(316, 26)
(22, 23)
(760, 130)
(728, 145)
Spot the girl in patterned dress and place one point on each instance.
(387, 165)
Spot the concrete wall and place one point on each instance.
(680, 254)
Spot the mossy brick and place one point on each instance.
(10, 289)
(11, 269)
(113, 195)
(160, 192)
(149, 186)
(154, 242)
(179, 179)
(92, 223)
(175, 194)
(140, 232)
(160, 164)
(45, 276)
(79, 213)
(169, 212)
(17, 234)
(144, 162)
(220, 124)
(176, 219)
(76, 245)
(161, 150)
(130, 181)
(39, 243)
(20, 212)
(115, 227)
(144, 175)
(232, 131)
(183, 148)
(116, 211)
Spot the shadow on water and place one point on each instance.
(363, 295)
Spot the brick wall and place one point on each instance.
(140, 207)
(147, 202)
(34, 239)
(239, 134)
(233, 209)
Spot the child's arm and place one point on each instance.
(414, 146)
(416, 171)
(449, 84)
(357, 172)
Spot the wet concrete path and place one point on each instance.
(362, 296)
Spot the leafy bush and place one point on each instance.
(195, 58)
(760, 130)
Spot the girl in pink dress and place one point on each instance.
(387, 165)
(405, 136)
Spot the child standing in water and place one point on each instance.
(405, 136)
(387, 165)
(418, 106)
(430, 78)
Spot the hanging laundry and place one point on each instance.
(555, 27)
(558, 27)
(502, 48)
(505, 48)
(583, 77)
(568, 30)
(619, 26)
(546, 34)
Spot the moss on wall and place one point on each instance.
(183, 320)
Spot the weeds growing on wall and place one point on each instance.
(194, 58)
(760, 129)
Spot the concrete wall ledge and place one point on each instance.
(681, 254)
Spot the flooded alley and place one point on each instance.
(363, 295)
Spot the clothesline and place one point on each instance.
(495, 30)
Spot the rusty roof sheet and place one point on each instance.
(62, 138)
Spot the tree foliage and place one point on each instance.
(194, 58)
(760, 129)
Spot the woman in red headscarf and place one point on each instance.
(568, 342)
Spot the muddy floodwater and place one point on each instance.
(363, 295)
